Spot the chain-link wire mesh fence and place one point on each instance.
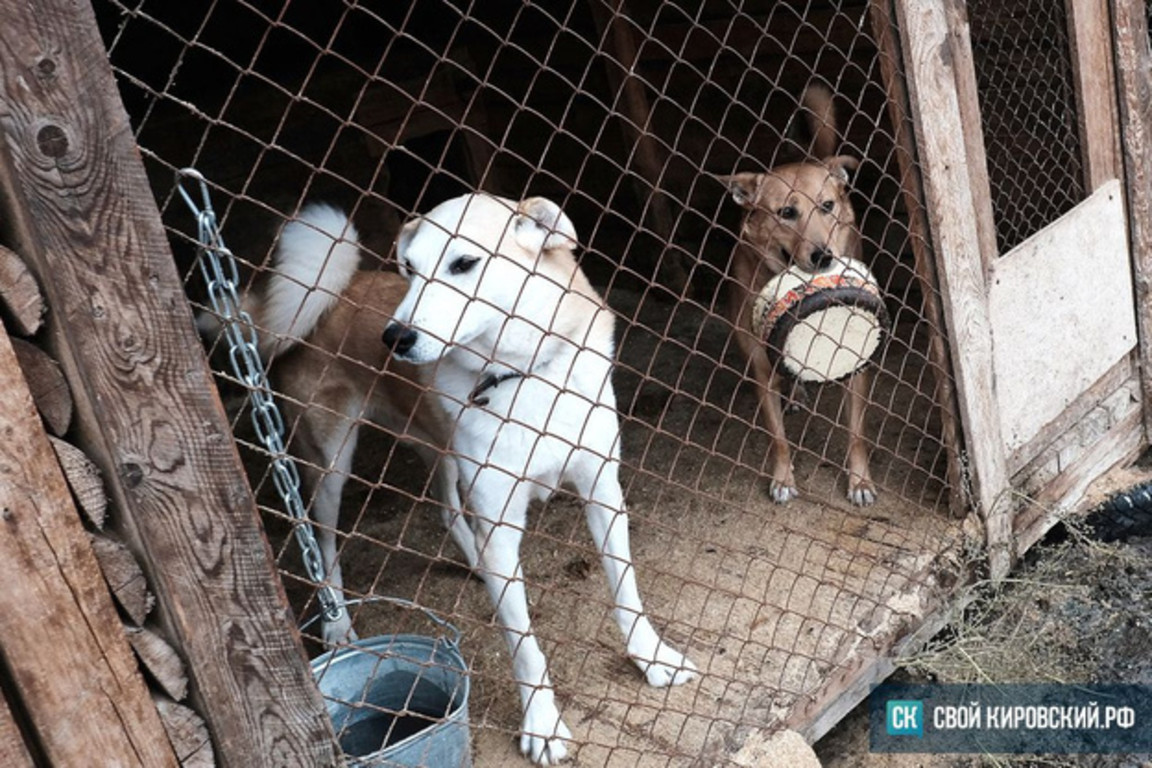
(1024, 77)
(626, 113)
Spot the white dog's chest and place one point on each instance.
(533, 430)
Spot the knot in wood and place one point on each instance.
(52, 140)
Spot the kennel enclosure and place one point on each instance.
(1003, 198)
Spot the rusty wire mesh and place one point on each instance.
(1023, 67)
(625, 113)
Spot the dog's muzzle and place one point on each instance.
(399, 338)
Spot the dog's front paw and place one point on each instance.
(670, 667)
(862, 493)
(544, 737)
(782, 493)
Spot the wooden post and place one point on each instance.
(1089, 33)
(60, 637)
(82, 213)
(912, 189)
(927, 41)
(1134, 76)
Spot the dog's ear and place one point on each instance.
(540, 226)
(404, 239)
(842, 165)
(743, 187)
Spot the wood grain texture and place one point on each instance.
(84, 479)
(46, 381)
(188, 733)
(147, 410)
(881, 16)
(160, 660)
(14, 752)
(19, 294)
(937, 115)
(1134, 76)
(124, 576)
(1090, 36)
(60, 636)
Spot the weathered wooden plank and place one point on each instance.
(147, 412)
(956, 241)
(968, 100)
(14, 751)
(1118, 446)
(19, 294)
(882, 20)
(1134, 76)
(60, 636)
(160, 661)
(1090, 35)
(124, 576)
(84, 479)
(46, 381)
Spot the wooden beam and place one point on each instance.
(928, 41)
(1134, 80)
(60, 637)
(147, 411)
(881, 15)
(1090, 36)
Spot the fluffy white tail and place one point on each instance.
(316, 258)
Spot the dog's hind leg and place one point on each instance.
(327, 442)
(861, 490)
(500, 504)
(661, 664)
(446, 489)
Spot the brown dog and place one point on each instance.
(797, 214)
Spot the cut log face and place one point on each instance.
(160, 660)
(19, 294)
(188, 734)
(49, 388)
(124, 577)
(84, 480)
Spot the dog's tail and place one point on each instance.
(316, 258)
(820, 112)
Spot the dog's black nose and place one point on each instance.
(821, 258)
(399, 338)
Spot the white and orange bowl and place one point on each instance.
(823, 326)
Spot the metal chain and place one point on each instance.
(218, 267)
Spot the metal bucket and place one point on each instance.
(398, 700)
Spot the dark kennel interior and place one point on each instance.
(625, 113)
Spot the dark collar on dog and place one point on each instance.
(491, 381)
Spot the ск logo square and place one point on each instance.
(904, 718)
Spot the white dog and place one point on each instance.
(496, 319)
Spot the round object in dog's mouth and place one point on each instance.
(824, 326)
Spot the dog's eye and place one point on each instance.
(462, 265)
(787, 212)
(828, 206)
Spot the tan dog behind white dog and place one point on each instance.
(495, 318)
(798, 215)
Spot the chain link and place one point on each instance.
(221, 276)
